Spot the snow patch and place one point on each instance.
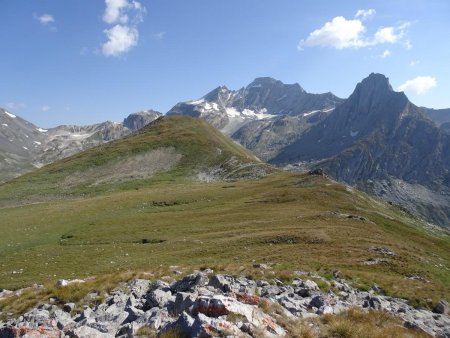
(328, 110)
(37, 142)
(354, 133)
(196, 102)
(4, 124)
(311, 112)
(249, 114)
(10, 115)
(25, 148)
(232, 112)
(42, 130)
(81, 135)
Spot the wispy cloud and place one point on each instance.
(364, 13)
(47, 20)
(159, 35)
(386, 54)
(15, 106)
(45, 108)
(419, 85)
(414, 63)
(341, 33)
(125, 15)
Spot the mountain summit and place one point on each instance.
(265, 116)
(264, 98)
(381, 142)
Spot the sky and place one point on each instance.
(88, 61)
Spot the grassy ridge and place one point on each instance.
(200, 145)
(284, 219)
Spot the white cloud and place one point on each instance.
(114, 11)
(124, 35)
(45, 108)
(45, 19)
(120, 40)
(343, 33)
(408, 44)
(391, 34)
(364, 13)
(119, 11)
(159, 35)
(419, 85)
(414, 63)
(339, 33)
(386, 54)
(15, 106)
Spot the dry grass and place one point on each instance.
(353, 323)
(356, 323)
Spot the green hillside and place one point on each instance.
(168, 149)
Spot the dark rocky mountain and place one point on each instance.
(381, 142)
(445, 127)
(24, 147)
(439, 116)
(265, 116)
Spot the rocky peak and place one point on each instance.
(219, 94)
(138, 120)
(376, 81)
(374, 96)
(270, 83)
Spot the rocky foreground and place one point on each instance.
(204, 304)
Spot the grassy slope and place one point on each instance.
(285, 219)
(198, 143)
(222, 225)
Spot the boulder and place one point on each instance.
(317, 302)
(89, 332)
(68, 307)
(442, 307)
(139, 287)
(159, 298)
(183, 302)
(231, 284)
(190, 283)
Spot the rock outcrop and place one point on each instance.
(204, 305)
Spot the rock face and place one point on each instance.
(20, 143)
(206, 305)
(439, 116)
(24, 147)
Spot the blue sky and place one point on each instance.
(86, 61)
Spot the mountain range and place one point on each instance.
(376, 139)
(25, 147)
